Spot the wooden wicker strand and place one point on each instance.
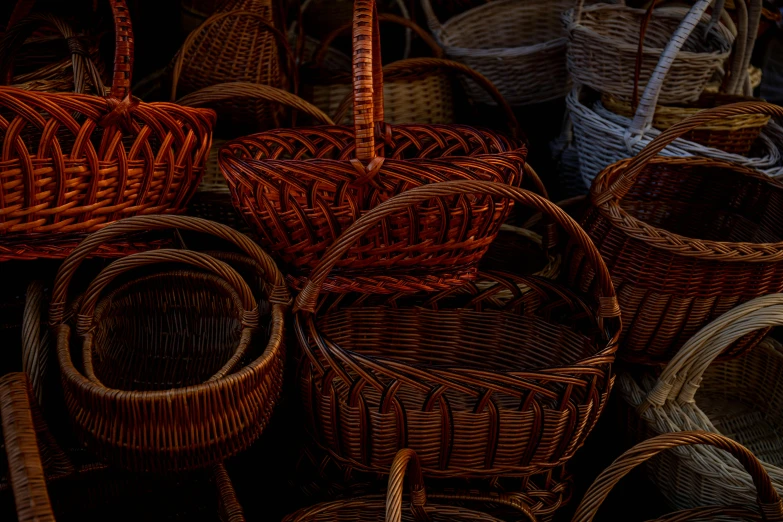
(770, 504)
(35, 356)
(230, 510)
(24, 462)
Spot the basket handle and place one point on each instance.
(367, 83)
(123, 51)
(282, 41)
(406, 459)
(277, 295)
(608, 307)
(432, 19)
(28, 481)
(769, 501)
(428, 64)
(34, 358)
(230, 510)
(15, 37)
(682, 376)
(627, 178)
(254, 91)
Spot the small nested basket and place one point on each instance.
(179, 368)
(685, 239)
(394, 508)
(519, 46)
(738, 398)
(478, 383)
(300, 188)
(604, 40)
(765, 506)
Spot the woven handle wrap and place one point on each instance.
(277, 295)
(769, 502)
(123, 50)
(681, 378)
(34, 358)
(626, 180)
(367, 81)
(307, 299)
(406, 459)
(24, 461)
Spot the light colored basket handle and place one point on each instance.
(406, 459)
(769, 501)
(682, 376)
(754, 19)
(627, 178)
(432, 20)
(646, 110)
(608, 307)
(277, 295)
(253, 91)
(367, 83)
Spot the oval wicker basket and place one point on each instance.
(301, 187)
(169, 360)
(685, 239)
(72, 163)
(768, 504)
(519, 46)
(497, 386)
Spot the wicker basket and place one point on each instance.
(300, 188)
(768, 505)
(686, 239)
(519, 49)
(414, 509)
(176, 353)
(457, 395)
(79, 162)
(604, 40)
(738, 398)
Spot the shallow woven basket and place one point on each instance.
(685, 239)
(394, 508)
(178, 354)
(301, 188)
(73, 163)
(738, 398)
(512, 386)
(519, 46)
(767, 504)
(604, 39)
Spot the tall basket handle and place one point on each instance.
(277, 295)
(682, 376)
(769, 502)
(367, 82)
(627, 178)
(406, 459)
(123, 50)
(34, 357)
(608, 306)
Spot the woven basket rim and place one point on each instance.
(663, 239)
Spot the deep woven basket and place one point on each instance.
(73, 163)
(519, 46)
(180, 354)
(768, 504)
(300, 188)
(685, 239)
(512, 386)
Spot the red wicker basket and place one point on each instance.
(506, 376)
(685, 239)
(301, 188)
(72, 163)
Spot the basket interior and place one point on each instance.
(708, 203)
(165, 331)
(373, 509)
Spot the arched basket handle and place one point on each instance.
(406, 459)
(123, 50)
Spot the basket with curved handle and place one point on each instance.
(770, 505)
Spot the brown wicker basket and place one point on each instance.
(175, 362)
(300, 188)
(477, 383)
(768, 509)
(686, 239)
(73, 163)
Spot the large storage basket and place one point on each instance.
(477, 382)
(519, 46)
(737, 398)
(301, 188)
(766, 505)
(178, 362)
(73, 163)
(685, 239)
